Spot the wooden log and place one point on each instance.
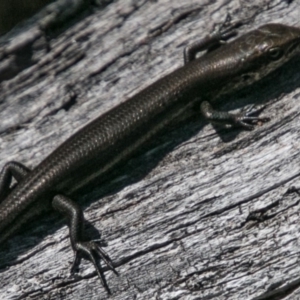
(178, 219)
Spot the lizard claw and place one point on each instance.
(247, 120)
(92, 250)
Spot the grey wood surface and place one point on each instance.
(174, 219)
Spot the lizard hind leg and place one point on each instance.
(81, 247)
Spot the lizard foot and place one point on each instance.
(93, 251)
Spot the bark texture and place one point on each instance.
(202, 214)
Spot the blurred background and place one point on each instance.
(12, 12)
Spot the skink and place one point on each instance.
(109, 140)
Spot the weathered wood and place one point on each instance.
(175, 218)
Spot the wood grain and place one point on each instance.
(174, 219)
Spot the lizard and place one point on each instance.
(96, 149)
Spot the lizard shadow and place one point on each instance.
(287, 79)
(149, 157)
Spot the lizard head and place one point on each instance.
(255, 54)
(268, 47)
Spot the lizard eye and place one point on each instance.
(275, 53)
